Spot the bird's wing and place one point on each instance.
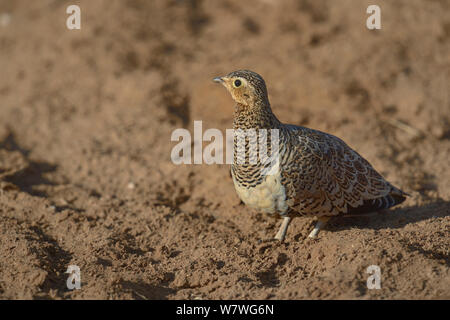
(334, 179)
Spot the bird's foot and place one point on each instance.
(281, 234)
(321, 222)
(314, 233)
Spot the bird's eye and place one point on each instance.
(237, 83)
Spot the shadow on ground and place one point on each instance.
(394, 218)
(147, 291)
(32, 174)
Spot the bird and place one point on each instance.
(315, 173)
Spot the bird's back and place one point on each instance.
(323, 176)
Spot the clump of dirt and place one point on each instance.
(86, 118)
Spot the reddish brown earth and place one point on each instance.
(86, 119)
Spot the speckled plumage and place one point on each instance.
(319, 175)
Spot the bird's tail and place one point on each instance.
(393, 198)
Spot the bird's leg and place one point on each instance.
(283, 228)
(321, 222)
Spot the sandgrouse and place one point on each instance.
(316, 174)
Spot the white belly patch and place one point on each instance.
(268, 197)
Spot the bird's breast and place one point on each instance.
(269, 196)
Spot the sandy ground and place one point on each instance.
(85, 124)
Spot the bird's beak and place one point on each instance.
(218, 79)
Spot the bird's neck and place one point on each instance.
(258, 117)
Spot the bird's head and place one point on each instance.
(246, 87)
